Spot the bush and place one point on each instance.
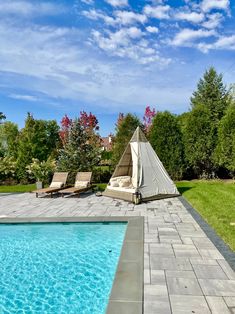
(7, 168)
(102, 174)
(41, 170)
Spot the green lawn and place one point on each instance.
(19, 188)
(215, 201)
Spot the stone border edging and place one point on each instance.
(222, 247)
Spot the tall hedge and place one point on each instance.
(166, 138)
(225, 151)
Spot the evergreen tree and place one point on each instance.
(125, 128)
(38, 139)
(166, 139)
(209, 103)
(225, 151)
(78, 154)
(9, 139)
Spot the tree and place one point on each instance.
(209, 103)
(225, 150)
(125, 128)
(166, 138)
(9, 139)
(91, 125)
(38, 139)
(198, 141)
(66, 123)
(148, 118)
(78, 154)
(2, 117)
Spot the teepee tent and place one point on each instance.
(140, 175)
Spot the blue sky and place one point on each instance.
(109, 56)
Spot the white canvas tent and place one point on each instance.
(140, 175)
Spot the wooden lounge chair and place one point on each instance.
(58, 182)
(82, 184)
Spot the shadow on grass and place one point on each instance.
(183, 189)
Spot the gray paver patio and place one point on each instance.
(183, 271)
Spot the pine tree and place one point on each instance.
(78, 154)
(209, 103)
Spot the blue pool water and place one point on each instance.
(58, 267)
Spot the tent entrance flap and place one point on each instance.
(124, 167)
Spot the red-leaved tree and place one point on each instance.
(66, 123)
(91, 126)
(89, 121)
(148, 118)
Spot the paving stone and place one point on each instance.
(161, 305)
(146, 276)
(227, 269)
(186, 240)
(169, 263)
(158, 277)
(169, 239)
(217, 305)
(189, 304)
(210, 254)
(161, 249)
(180, 274)
(179, 286)
(216, 287)
(210, 272)
(203, 243)
(230, 301)
(200, 261)
(185, 250)
(151, 291)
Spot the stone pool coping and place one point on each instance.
(127, 291)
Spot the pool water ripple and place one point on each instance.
(58, 267)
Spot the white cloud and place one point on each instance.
(120, 17)
(186, 36)
(152, 29)
(129, 17)
(208, 5)
(24, 97)
(88, 1)
(193, 17)
(116, 40)
(92, 14)
(121, 44)
(225, 42)
(118, 3)
(158, 12)
(213, 20)
(26, 8)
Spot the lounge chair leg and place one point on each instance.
(36, 194)
(51, 195)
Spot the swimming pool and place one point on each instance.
(58, 267)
